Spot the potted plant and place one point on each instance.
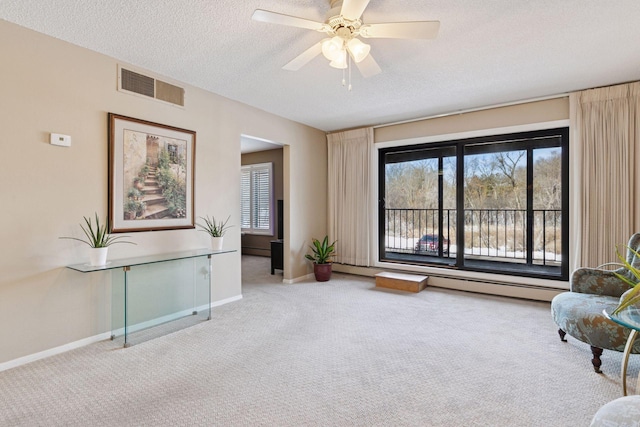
(215, 229)
(138, 182)
(98, 240)
(632, 296)
(321, 257)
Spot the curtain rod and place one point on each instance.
(471, 110)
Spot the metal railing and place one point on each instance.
(489, 234)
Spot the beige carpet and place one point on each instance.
(327, 354)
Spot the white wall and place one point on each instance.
(51, 86)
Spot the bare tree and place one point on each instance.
(510, 166)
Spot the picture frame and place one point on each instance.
(151, 175)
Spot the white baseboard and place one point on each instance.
(173, 316)
(105, 335)
(226, 301)
(536, 289)
(298, 279)
(53, 351)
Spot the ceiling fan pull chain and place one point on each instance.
(344, 81)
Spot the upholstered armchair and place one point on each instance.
(579, 311)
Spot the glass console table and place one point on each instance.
(630, 318)
(157, 294)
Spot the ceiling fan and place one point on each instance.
(343, 27)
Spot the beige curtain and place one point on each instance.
(607, 138)
(349, 199)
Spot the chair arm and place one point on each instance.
(610, 264)
(598, 281)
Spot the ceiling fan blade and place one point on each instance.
(368, 67)
(302, 59)
(352, 9)
(292, 21)
(402, 30)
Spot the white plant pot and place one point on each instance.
(98, 256)
(216, 243)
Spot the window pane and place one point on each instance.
(449, 188)
(256, 197)
(416, 225)
(502, 213)
(412, 203)
(245, 199)
(261, 199)
(547, 206)
(495, 203)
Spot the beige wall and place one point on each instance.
(304, 182)
(491, 118)
(52, 86)
(257, 244)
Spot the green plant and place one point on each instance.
(97, 237)
(172, 183)
(138, 182)
(134, 207)
(175, 194)
(213, 228)
(164, 176)
(633, 296)
(144, 170)
(131, 206)
(134, 193)
(163, 159)
(322, 251)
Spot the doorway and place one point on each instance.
(262, 203)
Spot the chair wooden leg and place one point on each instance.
(597, 352)
(562, 334)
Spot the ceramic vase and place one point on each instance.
(216, 243)
(322, 272)
(98, 256)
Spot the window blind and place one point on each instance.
(256, 185)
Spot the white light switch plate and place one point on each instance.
(59, 139)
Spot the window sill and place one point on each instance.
(257, 233)
(488, 276)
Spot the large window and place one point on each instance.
(496, 204)
(256, 196)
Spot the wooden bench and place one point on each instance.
(401, 281)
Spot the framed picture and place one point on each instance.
(151, 176)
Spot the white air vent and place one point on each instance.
(132, 82)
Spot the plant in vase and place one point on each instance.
(98, 240)
(321, 257)
(215, 229)
(138, 182)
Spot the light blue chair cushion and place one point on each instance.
(580, 315)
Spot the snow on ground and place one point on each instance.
(403, 244)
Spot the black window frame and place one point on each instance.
(529, 141)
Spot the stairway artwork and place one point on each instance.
(151, 176)
(157, 187)
(155, 202)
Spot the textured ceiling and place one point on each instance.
(487, 52)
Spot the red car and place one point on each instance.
(430, 243)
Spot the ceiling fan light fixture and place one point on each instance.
(340, 61)
(358, 50)
(344, 27)
(332, 48)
